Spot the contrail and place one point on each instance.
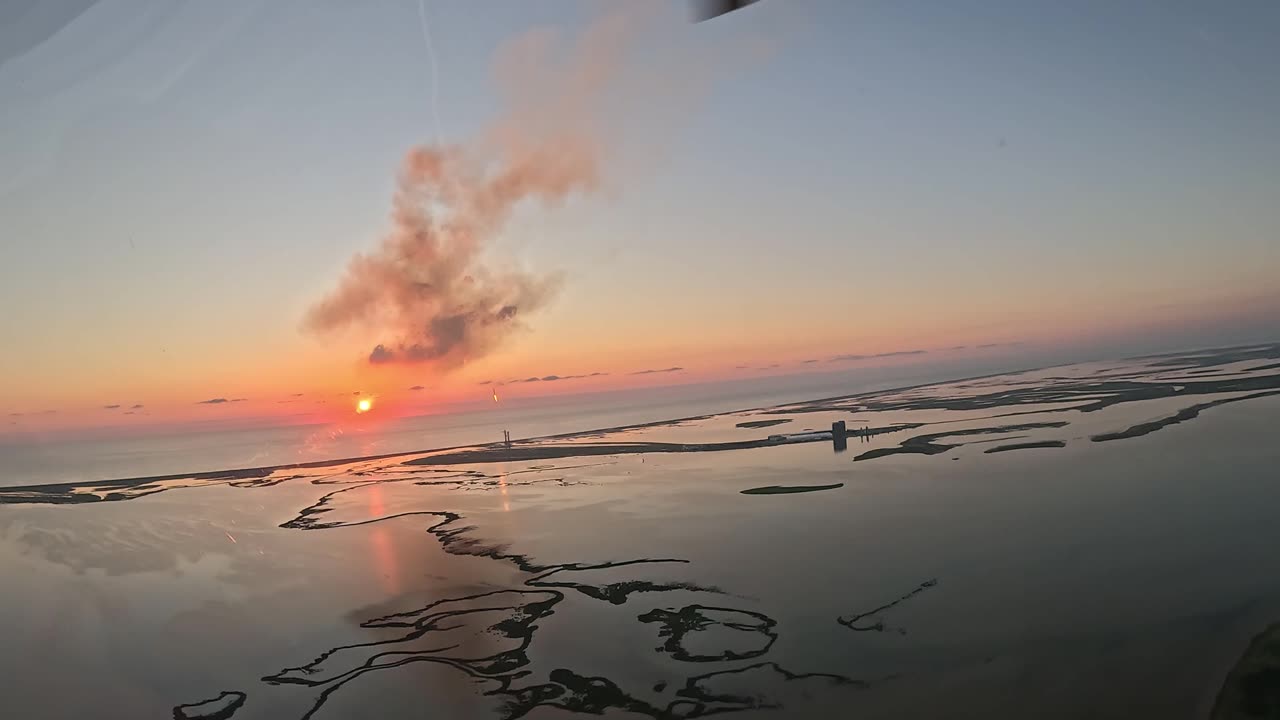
(431, 55)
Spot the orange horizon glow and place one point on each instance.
(316, 386)
(114, 325)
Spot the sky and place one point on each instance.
(801, 185)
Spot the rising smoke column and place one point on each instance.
(427, 290)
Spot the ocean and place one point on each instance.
(104, 455)
(1091, 540)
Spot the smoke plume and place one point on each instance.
(428, 293)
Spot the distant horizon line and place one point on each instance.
(468, 406)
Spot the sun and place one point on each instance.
(364, 405)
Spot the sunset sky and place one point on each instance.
(799, 181)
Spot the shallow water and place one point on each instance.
(30, 457)
(626, 572)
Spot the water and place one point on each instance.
(27, 460)
(1113, 559)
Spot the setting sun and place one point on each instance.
(364, 405)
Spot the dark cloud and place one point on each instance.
(810, 361)
(551, 378)
(381, 354)
(110, 407)
(654, 372)
(356, 392)
(136, 407)
(417, 387)
(959, 347)
(895, 353)
(297, 395)
(220, 401)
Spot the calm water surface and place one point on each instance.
(627, 573)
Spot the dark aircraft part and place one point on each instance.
(707, 9)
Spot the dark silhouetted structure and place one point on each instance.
(707, 9)
(838, 438)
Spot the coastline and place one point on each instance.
(1123, 392)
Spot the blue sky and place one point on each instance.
(179, 180)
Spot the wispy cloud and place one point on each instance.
(297, 395)
(37, 26)
(220, 401)
(552, 378)
(139, 406)
(110, 407)
(809, 361)
(417, 387)
(895, 353)
(655, 372)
